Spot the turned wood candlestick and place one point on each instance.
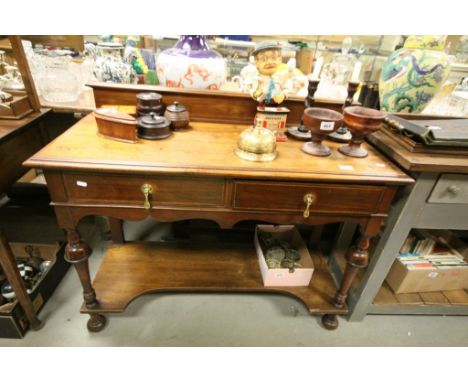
(301, 132)
(342, 134)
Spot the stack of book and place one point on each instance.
(429, 253)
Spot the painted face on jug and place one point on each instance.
(267, 61)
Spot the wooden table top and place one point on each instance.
(419, 162)
(9, 127)
(207, 149)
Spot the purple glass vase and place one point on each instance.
(191, 63)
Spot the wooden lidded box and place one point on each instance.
(116, 125)
(283, 276)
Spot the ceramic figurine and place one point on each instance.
(411, 76)
(265, 70)
(248, 77)
(258, 143)
(293, 81)
(11, 80)
(109, 65)
(191, 63)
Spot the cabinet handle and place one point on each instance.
(454, 190)
(147, 190)
(308, 200)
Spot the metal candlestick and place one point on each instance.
(343, 134)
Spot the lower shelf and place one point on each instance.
(133, 269)
(453, 302)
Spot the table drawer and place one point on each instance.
(450, 188)
(126, 190)
(289, 197)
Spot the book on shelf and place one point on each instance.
(428, 251)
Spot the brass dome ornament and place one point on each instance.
(257, 144)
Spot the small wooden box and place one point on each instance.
(283, 276)
(116, 125)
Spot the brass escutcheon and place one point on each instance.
(308, 200)
(147, 190)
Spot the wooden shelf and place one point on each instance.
(133, 269)
(454, 302)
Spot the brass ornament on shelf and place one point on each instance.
(256, 144)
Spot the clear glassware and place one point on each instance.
(336, 74)
(58, 83)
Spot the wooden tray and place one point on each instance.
(417, 147)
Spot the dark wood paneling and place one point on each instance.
(167, 190)
(330, 198)
(14, 151)
(203, 105)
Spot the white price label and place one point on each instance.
(433, 275)
(81, 183)
(346, 167)
(327, 126)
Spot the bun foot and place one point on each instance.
(37, 324)
(330, 321)
(96, 323)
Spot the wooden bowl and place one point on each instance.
(361, 121)
(320, 122)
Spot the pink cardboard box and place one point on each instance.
(283, 276)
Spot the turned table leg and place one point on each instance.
(356, 258)
(8, 263)
(77, 253)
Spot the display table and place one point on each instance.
(438, 200)
(195, 174)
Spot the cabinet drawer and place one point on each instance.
(126, 190)
(289, 197)
(450, 188)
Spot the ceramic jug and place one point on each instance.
(411, 76)
(109, 65)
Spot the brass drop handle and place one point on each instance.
(308, 200)
(147, 190)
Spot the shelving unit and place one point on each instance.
(419, 206)
(454, 302)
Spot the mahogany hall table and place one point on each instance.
(195, 174)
